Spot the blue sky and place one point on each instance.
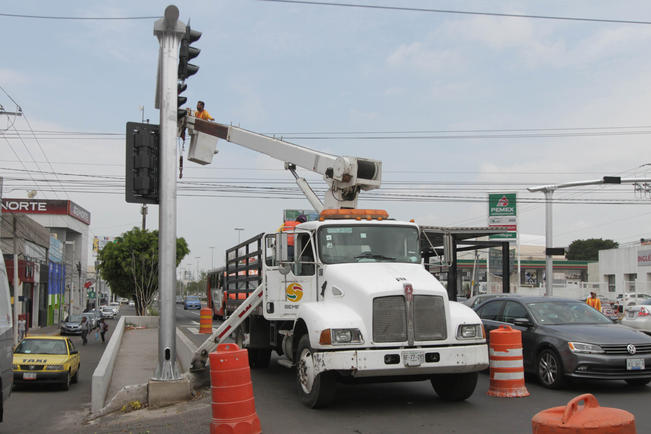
(295, 69)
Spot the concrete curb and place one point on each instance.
(134, 392)
(185, 349)
(104, 370)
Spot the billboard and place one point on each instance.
(46, 206)
(502, 211)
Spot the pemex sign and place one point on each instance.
(502, 211)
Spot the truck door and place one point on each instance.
(292, 283)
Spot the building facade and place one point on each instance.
(626, 269)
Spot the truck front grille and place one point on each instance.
(390, 318)
(429, 318)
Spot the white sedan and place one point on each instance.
(639, 316)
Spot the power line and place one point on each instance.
(458, 12)
(50, 17)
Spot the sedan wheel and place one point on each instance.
(550, 369)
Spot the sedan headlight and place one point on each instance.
(583, 348)
(54, 368)
(470, 331)
(341, 336)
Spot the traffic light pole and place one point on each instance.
(169, 31)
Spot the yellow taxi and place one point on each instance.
(46, 359)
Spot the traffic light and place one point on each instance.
(187, 53)
(142, 174)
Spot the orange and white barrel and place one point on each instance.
(506, 364)
(205, 320)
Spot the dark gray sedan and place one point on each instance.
(564, 338)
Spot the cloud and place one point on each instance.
(9, 77)
(421, 57)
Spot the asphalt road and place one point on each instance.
(40, 408)
(359, 409)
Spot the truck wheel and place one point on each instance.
(454, 387)
(259, 357)
(314, 390)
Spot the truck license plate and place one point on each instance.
(29, 376)
(413, 358)
(634, 364)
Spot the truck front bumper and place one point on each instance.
(383, 362)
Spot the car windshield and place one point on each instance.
(42, 346)
(192, 298)
(74, 318)
(554, 313)
(368, 243)
(646, 302)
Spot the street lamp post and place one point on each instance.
(549, 190)
(239, 231)
(212, 257)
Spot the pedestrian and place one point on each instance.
(103, 328)
(593, 301)
(85, 328)
(22, 325)
(201, 113)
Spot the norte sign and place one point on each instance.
(46, 206)
(502, 211)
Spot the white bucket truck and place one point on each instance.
(344, 297)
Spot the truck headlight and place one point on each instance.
(54, 367)
(583, 348)
(341, 336)
(470, 331)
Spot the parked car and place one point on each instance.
(132, 303)
(46, 359)
(476, 300)
(179, 299)
(93, 316)
(639, 316)
(191, 302)
(72, 324)
(633, 298)
(564, 338)
(107, 312)
(115, 306)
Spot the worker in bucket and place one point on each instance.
(202, 113)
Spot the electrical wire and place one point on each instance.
(50, 17)
(459, 12)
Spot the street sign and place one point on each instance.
(502, 211)
(91, 294)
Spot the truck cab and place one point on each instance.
(352, 299)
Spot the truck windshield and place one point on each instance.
(368, 243)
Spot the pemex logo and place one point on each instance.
(503, 202)
(294, 292)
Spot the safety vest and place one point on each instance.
(289, 226)
(595, 303)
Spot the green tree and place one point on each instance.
(130, 265)
(588, 250)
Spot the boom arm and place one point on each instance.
(345, 176)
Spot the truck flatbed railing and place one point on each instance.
(227, 327)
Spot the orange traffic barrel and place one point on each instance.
(205, 320)
(233, 406)
(506, 365)
(587, 419)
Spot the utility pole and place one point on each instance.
(212, 257)
(143, 211)
(16, 296)
(549, 190)
(169, 31)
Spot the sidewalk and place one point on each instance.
(136, 361)
(52, 330)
